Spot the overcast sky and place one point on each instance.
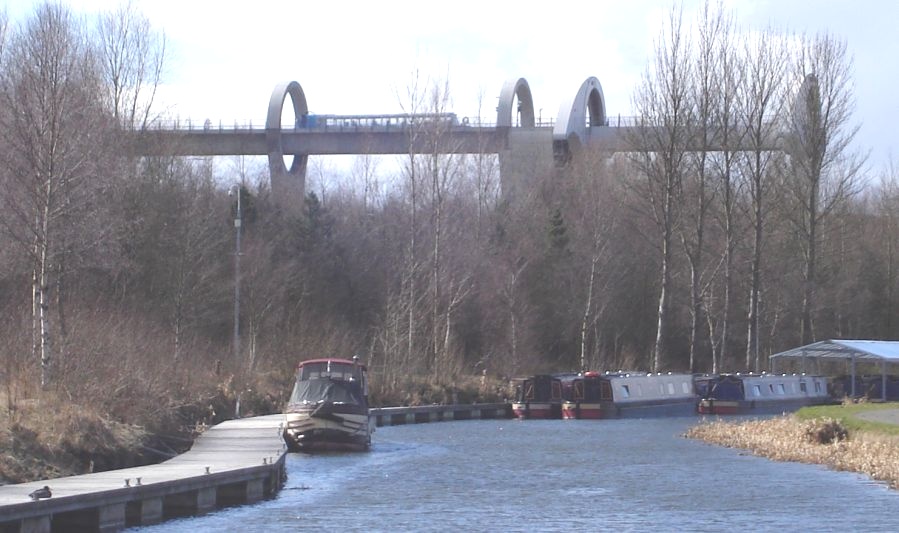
(358, 57)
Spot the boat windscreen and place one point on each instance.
(328, 390)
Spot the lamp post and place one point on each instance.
(236, 190)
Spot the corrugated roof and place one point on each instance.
(877, 350)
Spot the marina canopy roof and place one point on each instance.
(882, 351)
(872, 351)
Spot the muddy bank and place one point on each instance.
(818, 441)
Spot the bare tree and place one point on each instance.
(132, 56)
(698, 191)
(598, 206)
(729, 77)
(761, 105)
(825, 169)
(54, 134)
(663, 104)
(887, 208)
(412, 106)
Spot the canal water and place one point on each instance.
(553, 475)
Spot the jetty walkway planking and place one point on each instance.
(237, 461)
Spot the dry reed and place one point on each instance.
(819, 441)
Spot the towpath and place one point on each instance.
(883, 416)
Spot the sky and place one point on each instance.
(360, 57)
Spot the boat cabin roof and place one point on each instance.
(332, 360)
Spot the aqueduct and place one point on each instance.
(524, 146)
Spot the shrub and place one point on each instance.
(826, 431)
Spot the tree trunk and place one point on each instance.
(658, 354)
(44, 307)
(587, 309)
(754, 289)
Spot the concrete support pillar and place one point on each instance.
(111, 517)
(189, 503)
(143, 512)
(40, 524)
(274, 480)
(151, 511)
(255, 490)
(206, 499)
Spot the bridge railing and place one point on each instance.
(352, 123)
(619, 121)
(333, 124)
(188, 124)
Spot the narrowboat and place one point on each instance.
(328, 409)
(730, 394)
(538, 396)
(630, 395)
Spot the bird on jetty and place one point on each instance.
(41, 493)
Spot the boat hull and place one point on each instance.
(537, 410)
(308, 431)
(606, 410)
(750, 407)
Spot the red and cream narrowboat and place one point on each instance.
(538, 397)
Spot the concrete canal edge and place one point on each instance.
(232, 463)
(392, 416)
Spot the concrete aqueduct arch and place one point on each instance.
(504, 111)
(287, 183)
(576, 116)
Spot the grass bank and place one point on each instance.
(835, 436)
(851, 416)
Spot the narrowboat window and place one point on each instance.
(756, 390)
(802, 387)
(781, 389)
(671, 388)
(639, 390)
(528, 390)
(557, 390)
(684, 387)
(578, 390)
(625, 391)
(771, 387)
(605, 391)
(817, 387)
